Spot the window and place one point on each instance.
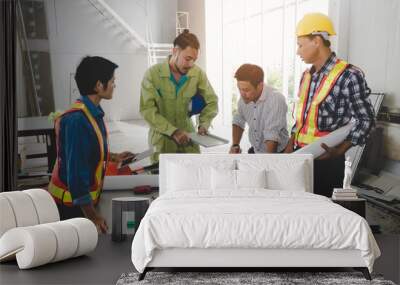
(258, 32)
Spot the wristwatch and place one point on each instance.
(236, 145)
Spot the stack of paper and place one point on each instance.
(344, 194)
(138, 157)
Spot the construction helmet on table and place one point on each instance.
(315, 24)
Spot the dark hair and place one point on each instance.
(326, 43)
(250, 72)
(92, 69)
(185, 39)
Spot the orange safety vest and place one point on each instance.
(307, 128)
(57, 188)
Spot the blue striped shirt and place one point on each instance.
(79, 151)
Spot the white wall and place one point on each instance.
(214, 60)
(77, 29)
(197, 24)
(369, 37)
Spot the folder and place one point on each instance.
(207, 140)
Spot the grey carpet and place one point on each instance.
(231, 278)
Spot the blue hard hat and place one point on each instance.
(197, 104)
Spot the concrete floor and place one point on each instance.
(110, 259)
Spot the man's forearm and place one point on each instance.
(89, 211)
(237, 133)
(343, 147)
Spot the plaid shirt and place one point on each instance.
(347, 100)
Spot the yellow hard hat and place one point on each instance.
(315, 23)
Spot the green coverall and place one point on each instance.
(164, 105)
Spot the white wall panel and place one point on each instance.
(374, 45)
(77, 29)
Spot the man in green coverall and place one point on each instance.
(167, 94)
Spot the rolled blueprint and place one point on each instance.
(331, 140)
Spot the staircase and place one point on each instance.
(156, 52)
(105, 10)
(34, 46)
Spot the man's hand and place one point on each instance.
(180, 137)
(101, 224)
(202, 131)
(91, 213)
(334, 152)
(288, 149)
(126, 155)
(290, 146)
(330, 152)
(271, 146)
(235, 149)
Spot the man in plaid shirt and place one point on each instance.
(332, 92)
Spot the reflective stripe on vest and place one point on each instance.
(57, 188)
(307, 129)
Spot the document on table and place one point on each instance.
(207, 140)
(331, 140)
(138, 157)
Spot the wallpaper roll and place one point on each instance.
(23, 207)
(45, 206)
(87, 235)
(67, 239)
(7, 218)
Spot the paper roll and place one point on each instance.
(87, 235)
(67, 239)
(46, 208)
(33, 246)
(332, 139)
(7, 218)
(23, 207)
(10, 244)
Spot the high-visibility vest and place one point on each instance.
(307, 128)
(57, 188)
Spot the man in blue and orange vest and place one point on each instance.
(82, 144)
(331, 94)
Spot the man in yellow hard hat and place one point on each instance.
(332, 92)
